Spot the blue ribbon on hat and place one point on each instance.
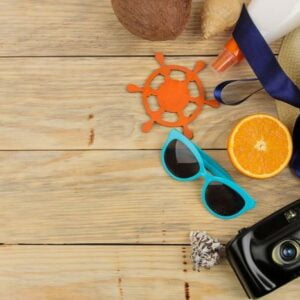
(268, 71)
(295, 162)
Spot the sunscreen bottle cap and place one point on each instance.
(230, 56)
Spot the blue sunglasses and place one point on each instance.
(221, 195)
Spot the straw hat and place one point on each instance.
(289, 59)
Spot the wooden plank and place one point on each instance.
(116, 197)
(82, 103)
(116, 272)
(75, 27)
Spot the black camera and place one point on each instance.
(266, 255)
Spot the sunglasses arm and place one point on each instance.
(213, 167)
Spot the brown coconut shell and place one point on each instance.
(154, 20)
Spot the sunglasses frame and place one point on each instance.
(210, 170)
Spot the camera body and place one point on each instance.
(266, 255)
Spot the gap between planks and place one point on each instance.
(110, 56)
(97, 244)
(74, 150)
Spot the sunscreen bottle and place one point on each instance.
(273, 18)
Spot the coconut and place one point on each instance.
(155, 20)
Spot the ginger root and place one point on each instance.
(219, 15)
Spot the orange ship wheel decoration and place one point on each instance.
(173, 96)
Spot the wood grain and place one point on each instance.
(64, 68)
(76, 27)
(116, 197)
(82, 103)
(114, 272)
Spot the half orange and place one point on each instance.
(260, 146)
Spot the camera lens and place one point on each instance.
(288, 251)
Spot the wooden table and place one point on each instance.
(86, 210)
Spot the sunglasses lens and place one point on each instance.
(223, 200)
(180, 160)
